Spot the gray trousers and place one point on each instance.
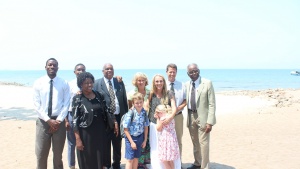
(43, 144)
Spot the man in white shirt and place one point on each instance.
(51, 101)
(180, 97)
(79, 68)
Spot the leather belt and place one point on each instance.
(53, 117)
(190, 110)
(178, 113)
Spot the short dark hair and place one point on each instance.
(171, 65)
(79, 64)
(51, 59)
(82, 76)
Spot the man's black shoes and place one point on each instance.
(193, 167)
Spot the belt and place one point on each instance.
(53, 117)
(178, 113)
(193, 111)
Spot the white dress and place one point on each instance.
(153, 140)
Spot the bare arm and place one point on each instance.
(133, 145)
(79, 144)
(174, 110)
(159, 125)
(145, 136)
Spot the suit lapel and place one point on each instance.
(200, 88)
(103, 86)
(116, 85)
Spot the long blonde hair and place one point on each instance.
(164, 98)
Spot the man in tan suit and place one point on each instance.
(201, 115)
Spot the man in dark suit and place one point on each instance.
(115, 96)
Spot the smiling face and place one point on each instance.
(108, 71)
(138, 104)
(193, 72)
(51, 68)
(171, 73)
(87, 85)
(141, 83)
(159, 82)
(79, 69)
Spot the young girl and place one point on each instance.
(167, 140)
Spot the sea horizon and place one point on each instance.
(223, 79)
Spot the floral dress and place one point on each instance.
(167, 143)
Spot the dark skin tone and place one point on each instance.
(87, 91)
(79, 69)
(194, 73)
(52, 68)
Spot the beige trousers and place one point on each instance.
(179, 131)
(200, 141)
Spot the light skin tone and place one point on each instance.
(79, 69)
(161, 115)
(140, 84)
(133, 164)
(194, 73)
(52, 68)
(171, 73)
(159, 84)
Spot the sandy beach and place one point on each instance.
(254, 130)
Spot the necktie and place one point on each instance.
(112, 98)
(193, 101)
(172, 88)
(50, 99)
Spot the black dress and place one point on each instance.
(92, 138)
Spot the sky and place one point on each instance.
(149, 34)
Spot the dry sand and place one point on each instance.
(254, 130)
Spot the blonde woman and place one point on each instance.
(140, 81)
(159, 95)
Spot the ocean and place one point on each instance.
(223, 79)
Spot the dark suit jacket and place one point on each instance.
(100, 86)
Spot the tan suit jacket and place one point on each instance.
(205, 102)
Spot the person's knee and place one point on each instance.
(130, 161)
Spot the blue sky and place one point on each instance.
(215, 34)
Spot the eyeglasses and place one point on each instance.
(193, 72)
(109, 69)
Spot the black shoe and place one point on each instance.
(193, 167)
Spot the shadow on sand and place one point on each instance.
(211, 166)
(17, 113)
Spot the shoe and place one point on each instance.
(193, 167)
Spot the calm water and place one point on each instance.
(223, 79)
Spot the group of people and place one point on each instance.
(90, 112)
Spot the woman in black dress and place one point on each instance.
(89, 123)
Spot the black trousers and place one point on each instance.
(117, 146)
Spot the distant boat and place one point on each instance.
(295, 73)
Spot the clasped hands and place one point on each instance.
(165, 121)
(54, 125)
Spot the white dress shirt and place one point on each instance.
(180, 92)
(116, 99)
(60, 99)
(73, 91)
